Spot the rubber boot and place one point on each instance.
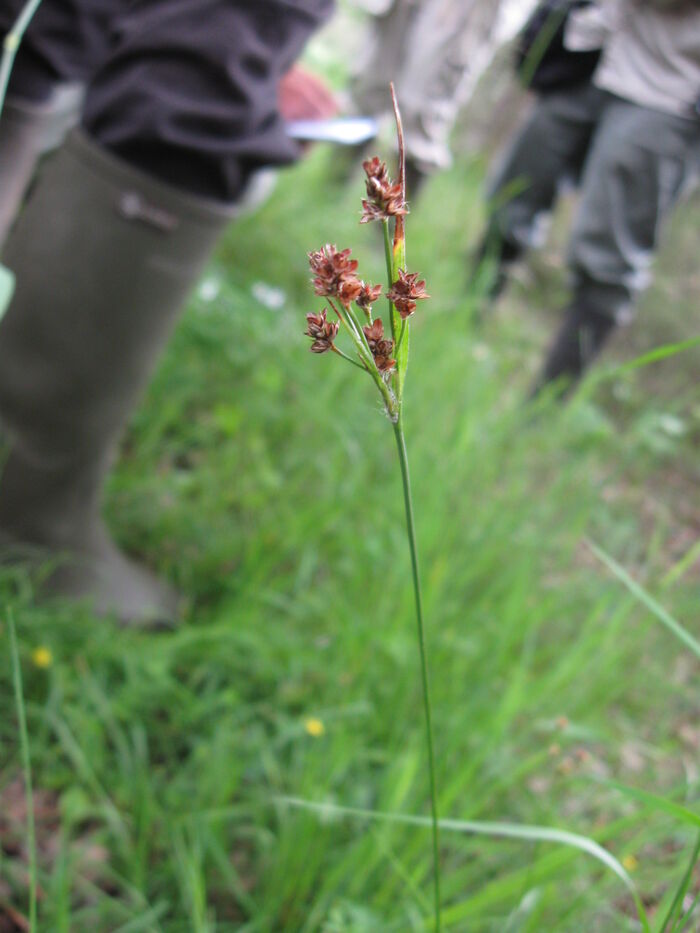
(581, 337)
(28, 130)
(105, 257)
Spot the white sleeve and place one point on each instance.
(589, 27)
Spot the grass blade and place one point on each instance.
(495, 830)
(688, 916)
(658, 354)
(643, 597)
(654, 802)
(26, 767)
(669, 923)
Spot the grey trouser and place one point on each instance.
(632, 164)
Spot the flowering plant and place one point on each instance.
(351, 300)
(383, 355)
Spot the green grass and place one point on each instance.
(263, 481)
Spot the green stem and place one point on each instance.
(389, 399)
(388, 252)
(353, 328)
(360, 332)
(26, 766)
(11, 44)
(348, 358)
(410, 526)
(389, 256)
(365, 354)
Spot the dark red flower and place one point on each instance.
(321, 331)
(349, 290)
(374, 332)
(385, 364)
(406, 291)
(381, 348)
(335, 274)
(368, 296)
(384, 198)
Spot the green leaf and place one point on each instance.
(26, 767)
(7, 288)
(658, 354)
(654, 802)
(399, 262)
(643, 597)
(395, 260)
(688, 915)
(496, 830)
(670, 921)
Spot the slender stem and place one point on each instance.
(365, 354)
(388, 396)
(410, 526)
(11, 43)
(360, 332)
(348, 321)
(348, 358)
(27, 768)
(389, 256)
(388, 252)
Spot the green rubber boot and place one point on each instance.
(105, 257)
(28, 131)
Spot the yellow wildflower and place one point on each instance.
(42, 657)
(630, 863)
(314, 727)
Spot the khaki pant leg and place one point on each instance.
(551, 146)
(640, 163)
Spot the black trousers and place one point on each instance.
(185, 90)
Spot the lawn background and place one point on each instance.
(263, 481)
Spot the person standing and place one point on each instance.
(434, 51)
(631, 138)
(177, 109)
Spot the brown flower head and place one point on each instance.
(405, 292)
(385, 364)
(384, 198)
(368, 295)
(349, 290)
(335, 274)
(321, 331)
(381, 348)
(374, 332)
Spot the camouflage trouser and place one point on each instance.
(632, 164)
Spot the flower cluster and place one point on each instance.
(405, 292)
(336, 278)
(335, 274)
(384, 198)
(381, 348)
(321, 331)
(368, 296)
